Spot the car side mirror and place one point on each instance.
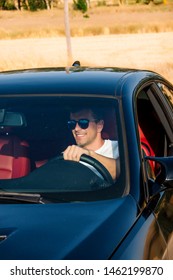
(165, 176)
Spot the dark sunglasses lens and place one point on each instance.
(71, 124)
(83, 123)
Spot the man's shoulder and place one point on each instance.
(108, 147)
(113, 143)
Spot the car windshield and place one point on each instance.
(39, 125)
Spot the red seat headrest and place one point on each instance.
(14, 160)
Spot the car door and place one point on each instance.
(146, 238)
(155, 119)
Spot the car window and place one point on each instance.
(167, 92)
(153, 128)
(40, 134)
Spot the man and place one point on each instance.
(86, 126)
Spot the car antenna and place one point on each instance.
(76, 63)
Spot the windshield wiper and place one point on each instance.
(23, 197)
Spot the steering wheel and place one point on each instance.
(97, 165)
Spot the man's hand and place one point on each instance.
(74, 153)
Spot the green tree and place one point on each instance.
(2, 4)
(34, 5)
(80, 5)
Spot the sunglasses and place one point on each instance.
(83, 123)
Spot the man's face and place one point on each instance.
(89, 137)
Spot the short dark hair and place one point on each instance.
(96, 112)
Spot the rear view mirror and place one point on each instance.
(11, 118)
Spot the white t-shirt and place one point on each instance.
(109, 149)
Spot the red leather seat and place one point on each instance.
(146, 147)
(39, 163)
(14, 159)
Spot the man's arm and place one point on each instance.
(74, 153)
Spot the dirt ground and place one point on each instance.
(125, 19)
(153, 51)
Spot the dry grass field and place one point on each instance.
(131, 36)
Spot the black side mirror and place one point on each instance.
(165, 176)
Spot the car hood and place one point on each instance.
(80, 230)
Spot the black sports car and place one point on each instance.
(51, 208)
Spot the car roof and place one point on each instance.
(69, 80)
